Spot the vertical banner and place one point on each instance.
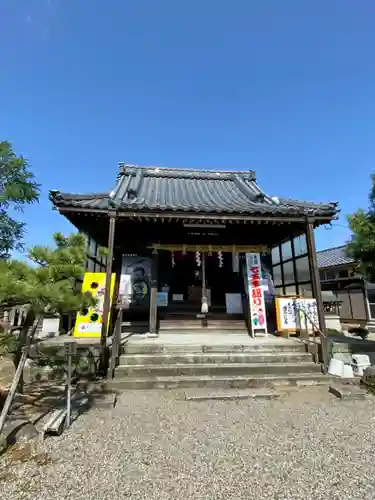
(256, 294)
(89, 321)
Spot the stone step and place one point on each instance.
(143, 347)
(210, 369)
(196, 314)
(218, 382)
(200, 325)
(203, 358)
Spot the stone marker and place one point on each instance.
(347, 392)
(196, 395)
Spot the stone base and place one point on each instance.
(333, 322)
(370, 325)
(204, 395)
(347, 392)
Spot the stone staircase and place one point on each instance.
(154, 364)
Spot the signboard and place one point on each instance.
(50, 328)
(178, 297)
(233, 303)
(135, 281)
(162, 299)
(290, 319)
(89, 321)
(256, 294)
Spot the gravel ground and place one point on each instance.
(306, 445)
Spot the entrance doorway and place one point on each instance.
(188, 277)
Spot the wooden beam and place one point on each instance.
(193, 216)
(209, 248)
(107, 291)
(217, 217)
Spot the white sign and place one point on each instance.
(256, 293)
(50, 327)
(89, 327)
(290, 318)
(125, 288)
(178, 297)
(233, 303)
(162, 299)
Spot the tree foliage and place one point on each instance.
(362, 245)
(48, 285)
(17, 189)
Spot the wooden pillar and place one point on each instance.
(315, 279)
(154, 290)
(317, 290)
(366, 301)
(107, 292)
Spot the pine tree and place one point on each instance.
(48, 285)
(362, 245)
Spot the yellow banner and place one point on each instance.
(89, 322)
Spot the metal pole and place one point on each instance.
(69, 389)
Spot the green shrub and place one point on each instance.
(332, 331)
(359, 332)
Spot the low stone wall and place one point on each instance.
(342, 347)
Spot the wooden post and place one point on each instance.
(366, 302)
(154, 291)
(316, 288)
(204, 300)
(19, 372)
(107, 292)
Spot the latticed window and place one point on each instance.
(291, 267)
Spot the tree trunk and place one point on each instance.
(19, 372)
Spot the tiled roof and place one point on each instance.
(333, 257)
(181, 190)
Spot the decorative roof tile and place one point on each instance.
(333, 257)
(181, 190)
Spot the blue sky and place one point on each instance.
(282, 87)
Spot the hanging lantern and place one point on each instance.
(198, 258)
(183, 250)
(172, 259)
(210, 250)
(220, 257)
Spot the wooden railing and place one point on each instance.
(318, 338)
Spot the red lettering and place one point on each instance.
(255, 271)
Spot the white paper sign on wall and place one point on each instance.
(233, 303)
